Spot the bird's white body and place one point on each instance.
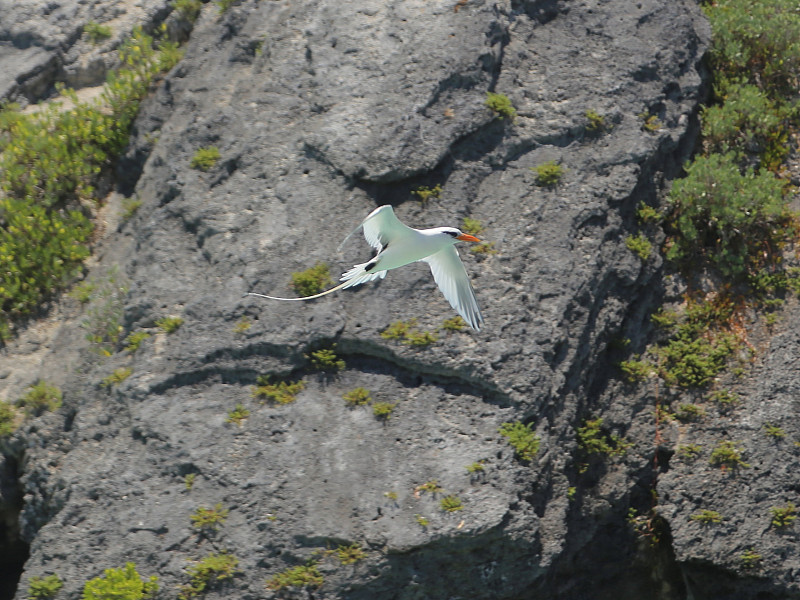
(398, 245)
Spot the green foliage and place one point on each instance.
(224, 5)
(727, 455)
(8, 419)
(650, 123)
(104, 316)
(690, 412)
(50, 162)
(214, 568)
(757, 41)
(425, 193)
(483, 248)
(134, 340)
(522, 438)
(706, 517)
(407, 333)
(326, 360)
(689, 452)
(635, 370)
(383, 410)
(188, 9)
(472, 226)
(209, 519)
(205, 158)
(238, 414)
(117, 377)
(728, 218)
(454, 324)
(750, 559)
(774, 431)
(300, 576)
(475, 468)
(348, 555)
(188, 480)
(357, 397)
(592, 439)
(169, 324)
(548, 174)
(423, 522)
(451, 504)
(432, 487)
(500, 105)
(312, 281)
(242, 325)
(129, 208)
(44, 588)
(282, 392)
(647, 214)
(639, 245)
(783, 516)
(40, 398)
(121, 584)
(725, 398)
(596, 121)
(97, 32)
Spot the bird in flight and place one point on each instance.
(397, 245)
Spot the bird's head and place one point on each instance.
(456, 234)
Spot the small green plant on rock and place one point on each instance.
(650, 122)
(121, 584)
(96, 32)
(209, 519)
(451, 504)
(407, 333)
(727, 455)
(750, 559)
(522, 438)
(300, 576)
(639, 245)
(475, 468)
(40, 398)
(205, 158)
(471, 226)
(188, 9)
(596, 122)
(647, 214)
(169, 324)
(282, 392)
(117, 377)
(134, 340)
(44, 588)
(774, 431)
(312, 281)
(725, 398)
(783, 516)
(326, 360)
(689, 452)
(188, 480)
(484, 248)
(224, 5)
(432, 487)
(348, 555)
(238, 414)
(500, 105)
(425, 193)
(383, 410)
(214, 568)
(635, 370)
(707, 517)
(8, 419)
(690, 412)
(422, 521)
(357, 397)
(592, 439)
(242, 325)
(454, 324)
(548, 174)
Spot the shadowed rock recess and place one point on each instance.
(321, 111)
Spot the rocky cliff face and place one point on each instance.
(322, 111)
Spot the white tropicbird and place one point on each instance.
(397, 245)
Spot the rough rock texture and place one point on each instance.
(323, 110)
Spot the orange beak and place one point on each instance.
(465, 237)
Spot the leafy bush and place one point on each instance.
(134, 340)
(326, 360)
(209, 519)
(639, 245)
(707, 517)
(300, 576)
(97, 32)
(238, 414)
(729, 218)
(40, 398)
(348, 555)
(121, 584)
(408, 333)
(44, 588)
(281, 392)
(454, 324)
(103, 321)
(205, 158)
(169, 324)
(213, 568)
(521, 438)
(383, 410)
(596, 122)
(451, 504)
(188, 9)
(117, 377)
(425, 193)
(500, 105)
(471, 226)
(357, 397)
(312, 281)
(548, 174)
(783, 516)
(727, 455)
(593, 440)
(8, 419)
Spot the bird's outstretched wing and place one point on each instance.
(380, 227)
(452, 279)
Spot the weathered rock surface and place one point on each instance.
(321, 111)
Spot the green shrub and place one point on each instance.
(44, 588)
(474, 468)
(635, 370)
(407, 333)
(8, 419)
(432, 487)
(689, 452)
(209, 519)
(238, 414)
(423, 522)
(121, 584)
(224, 5)
(522, 438)
(188, 9)
(383, 410)
(454, 324)
(129, 208)
(97, 32)
(300, 576)
(690, 412)
(774, 431)
(425, 193)
(472, 226)
(169, 324)
(647, 214)
(214, 568)
(451, 504)
(725, 217)
(117, 377)
(312, 281)
(326, 360)
(727, 455)
(104, 316)
(500, 105)
(548, 174)
(205, 158)
(783, 516)
(40, 398)
(348, 555)
(707, 517)
(596, 122)
(188, 480)
(639, 245)
(650, 122)
(357, 397)
(281, 392)
(750, 559)
(134, 340)
(593, 440)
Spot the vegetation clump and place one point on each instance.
(471, 226)
(750, 559)
(592, 439)
(783, 516)
(522, 438)
(707, 517)
(500, 105)
(44, 588)
(727, 455)
(454, 324)
(383, 410)
(312, 281)
(357, 397)
(300, 576)
(134, 340)
(282, 392)
(205, 158)
(40, 398)
(326, 360)
(425, 193)
(451, 504)
(689, 452)
(214, 568)
(117, 377)
(169, 324)
(596, 122)
(8, 419)
(96, 32)
(121, 584)
(548, 174)
(348, 555)
(639, 245)
(238, 414)
(406, 332)
(209, 519)
(188, 9)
